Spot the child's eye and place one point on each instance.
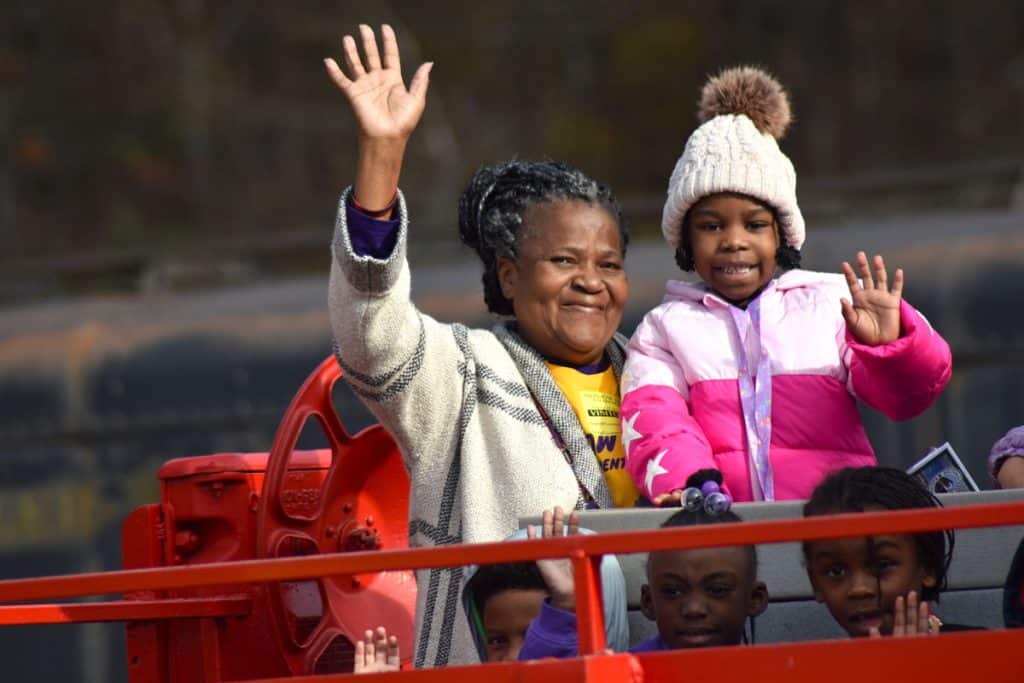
(497, 641)
(719, 590)
(709, 227)
(835, 571)
(671, 591)
(757, 225)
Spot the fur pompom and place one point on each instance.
(750, 91)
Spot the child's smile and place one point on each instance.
(734, 240)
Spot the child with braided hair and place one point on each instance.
(878, 585)
(755, 370)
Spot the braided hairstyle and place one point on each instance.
(786, 257)
(856, 489)
(492, 207)
(686, 517)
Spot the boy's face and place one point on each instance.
(506, 617)
(734, 241)
(702, 597)
(859, 581)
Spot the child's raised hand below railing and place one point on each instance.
(557, 573)
(378, 652)
(910, 618)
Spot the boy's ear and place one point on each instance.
(929, 580)
(647, 603)
(758, 601)
(508, 277)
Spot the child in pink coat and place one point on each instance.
(755, 371)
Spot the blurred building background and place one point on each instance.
(171, 167)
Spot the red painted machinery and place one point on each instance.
(229, 507)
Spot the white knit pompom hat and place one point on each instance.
(744, 111)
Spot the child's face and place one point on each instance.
(859, 582)
(506, 617)
(701, 597)
(734, 241)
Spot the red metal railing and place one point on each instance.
(988, 655)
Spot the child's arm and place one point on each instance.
(378, 652)
(898, 364)
(664, 444)
(553, 632)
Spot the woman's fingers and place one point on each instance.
(420, 80)
(389, 44)
(336, 74)
(369, 47)
(351, 53)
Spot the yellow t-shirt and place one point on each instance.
(595, 399)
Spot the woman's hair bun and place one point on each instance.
(749, 91)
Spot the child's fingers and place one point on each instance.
(351, 52)
(360, 655)
(873, 632)
(851, 278)
(574, 523)
(881, 277)
(531, 531)
(380, 645)
(546, 524)
(370, 47)
(370, 649)
(899, 619)
(558, 522)
(865, 271)
(924, 619)
(913, 627)
(897, 283)
(394, 652)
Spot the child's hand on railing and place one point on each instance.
(379, 652)
(557, 574)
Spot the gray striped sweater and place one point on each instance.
(460, 404)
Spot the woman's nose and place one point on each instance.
(588, 278)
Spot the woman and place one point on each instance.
(488, 421)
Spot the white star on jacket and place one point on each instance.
(654, 469)
(629, 432)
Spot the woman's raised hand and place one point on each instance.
(557, 574)
(383, 107)
(874, 316)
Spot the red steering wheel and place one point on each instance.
(362, 504)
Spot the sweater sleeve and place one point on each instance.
(664, 443)
(551, 634)
(396, 359)
(903, 378)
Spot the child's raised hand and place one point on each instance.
(910, 618)
(672, 498)
(379, 652)
(383, 108)
(874, 316)
(557, 573)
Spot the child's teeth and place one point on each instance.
(733, 270)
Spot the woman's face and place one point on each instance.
(567, 284)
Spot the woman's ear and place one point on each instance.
(647, 603)
(508, 277)
(758, 601)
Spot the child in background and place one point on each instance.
(878, 585)
(501, 600)
(699, 597)
(1006, 460)
(754, 371)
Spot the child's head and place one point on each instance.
(703, 596)
(502, 600)
(860, 578)
(731, 212)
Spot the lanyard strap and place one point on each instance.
(755, 394)
(588, 499)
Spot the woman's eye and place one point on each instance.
(611, 265)
(561, 259)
